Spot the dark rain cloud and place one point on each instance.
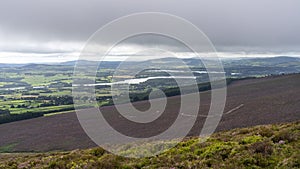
(263, 25)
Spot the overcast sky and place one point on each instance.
(56, 30)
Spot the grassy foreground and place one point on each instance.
(269, 146)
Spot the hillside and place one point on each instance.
(259, 101)
(268, 146)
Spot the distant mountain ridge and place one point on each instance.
(266, 61)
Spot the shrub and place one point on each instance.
(265, 132)
(264, 148)
(97, 151)
(251, 139)
(285, 135)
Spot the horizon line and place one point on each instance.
(75, 60)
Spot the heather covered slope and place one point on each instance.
(249, 102)
(267, 146)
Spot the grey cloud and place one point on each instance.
(250, 24)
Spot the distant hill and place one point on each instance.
(34, 65)
(2, 65)
(72, 63)
(269, 61)
(105, 64)
(189, 61)
(278, 59)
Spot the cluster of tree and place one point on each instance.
(230, 80)
(16, 117)
(19, 106)
(56, 100)
(17, 84)
(7, 117)
(49, 101)
(4, 112)
(15, 79)
(60, 85)
(102, 98)
(174, 91)
(171, 91)
(30, 93)
(151, 73)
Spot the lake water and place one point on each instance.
(139, 80)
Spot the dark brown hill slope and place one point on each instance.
(249, 102)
